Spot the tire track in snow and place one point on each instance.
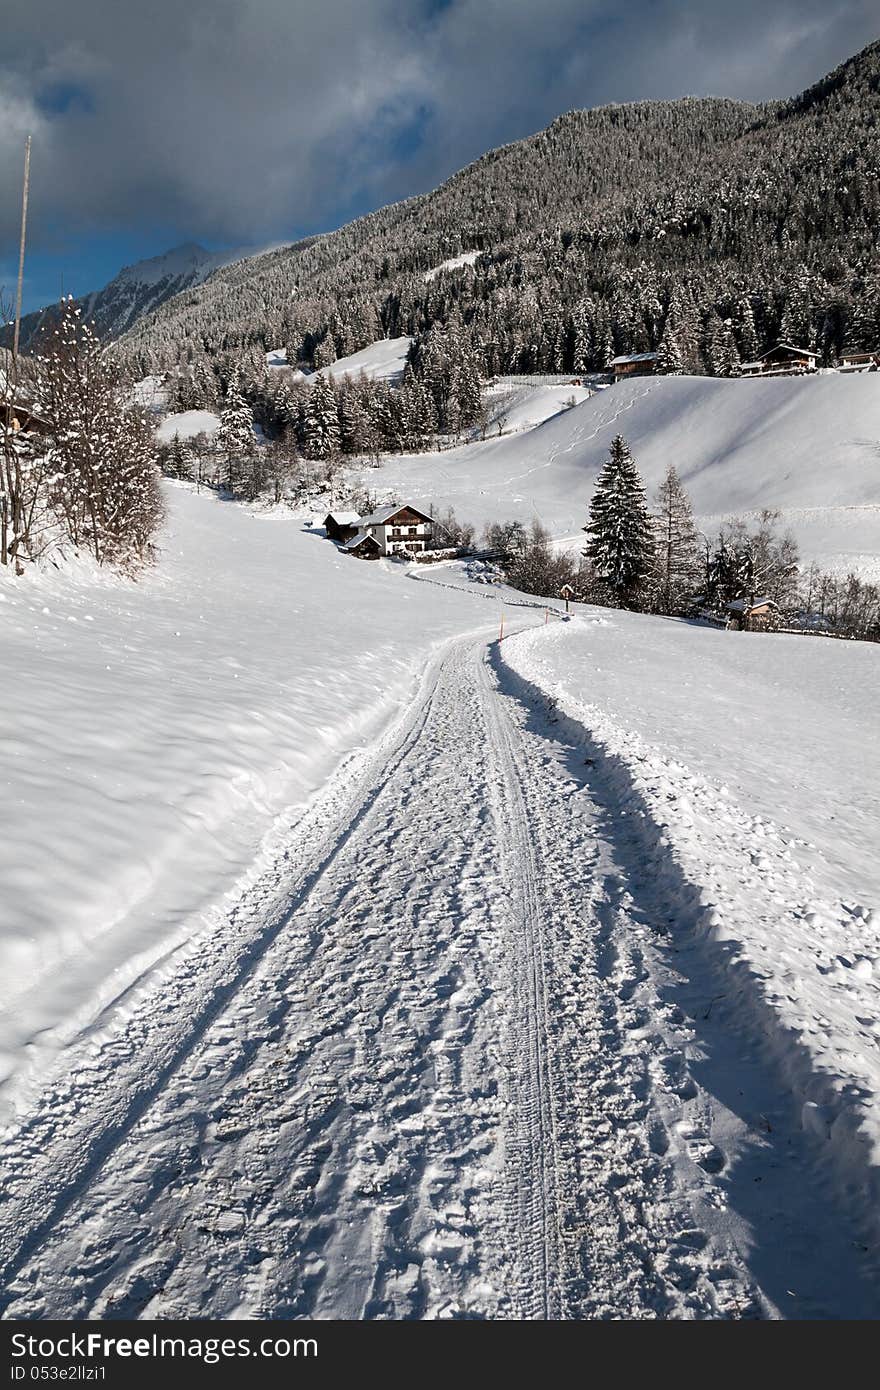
(60, 1145)
(534, 1179)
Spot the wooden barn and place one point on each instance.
(636, 364)
(752, 615)
(363, 546)
(861, 361)
(341, 526)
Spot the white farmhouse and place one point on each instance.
(397, 529)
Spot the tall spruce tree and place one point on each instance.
(322, 421)
(621, 540)
(677, 563)
(235, 437)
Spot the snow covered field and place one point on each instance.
(154, 730)
(807, 446)
(187, 423)
(513, 407)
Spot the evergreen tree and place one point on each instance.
(321, 421)
(235, 437)
(621, 543)
(677, 567)
(670, 359)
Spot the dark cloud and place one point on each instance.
(241, 120)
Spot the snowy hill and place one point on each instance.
(807, 446)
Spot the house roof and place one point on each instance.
(635, 357)
(385, 514)
(359, 540)
(344, 518)
(790, 347)
(741, 605)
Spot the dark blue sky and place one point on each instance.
(249, 122)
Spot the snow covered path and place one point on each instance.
(437, 1062)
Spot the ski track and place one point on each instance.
(429, 1065)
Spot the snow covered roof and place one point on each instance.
(741, 605)
(789, 347)
(635, 357)
(384, 514)
(344, 518)
(358, 540)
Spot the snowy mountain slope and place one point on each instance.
(605, 219)
(383, 360)
(156, 730)
(807, 446)
(512, 407)
(140, 289)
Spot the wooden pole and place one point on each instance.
(24, 208)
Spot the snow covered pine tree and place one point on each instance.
(620, 530)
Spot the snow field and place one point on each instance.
(187, 423)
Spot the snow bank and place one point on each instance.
(747, 768)
(186, 424)
(154, 731)
(807, 446)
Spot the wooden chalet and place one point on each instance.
(752, 615)
(636, 364)
(861, 361)
(782, 360)
(341, 526)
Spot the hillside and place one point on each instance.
(809, 447)
(707, 226)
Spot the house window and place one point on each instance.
(413, 530)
